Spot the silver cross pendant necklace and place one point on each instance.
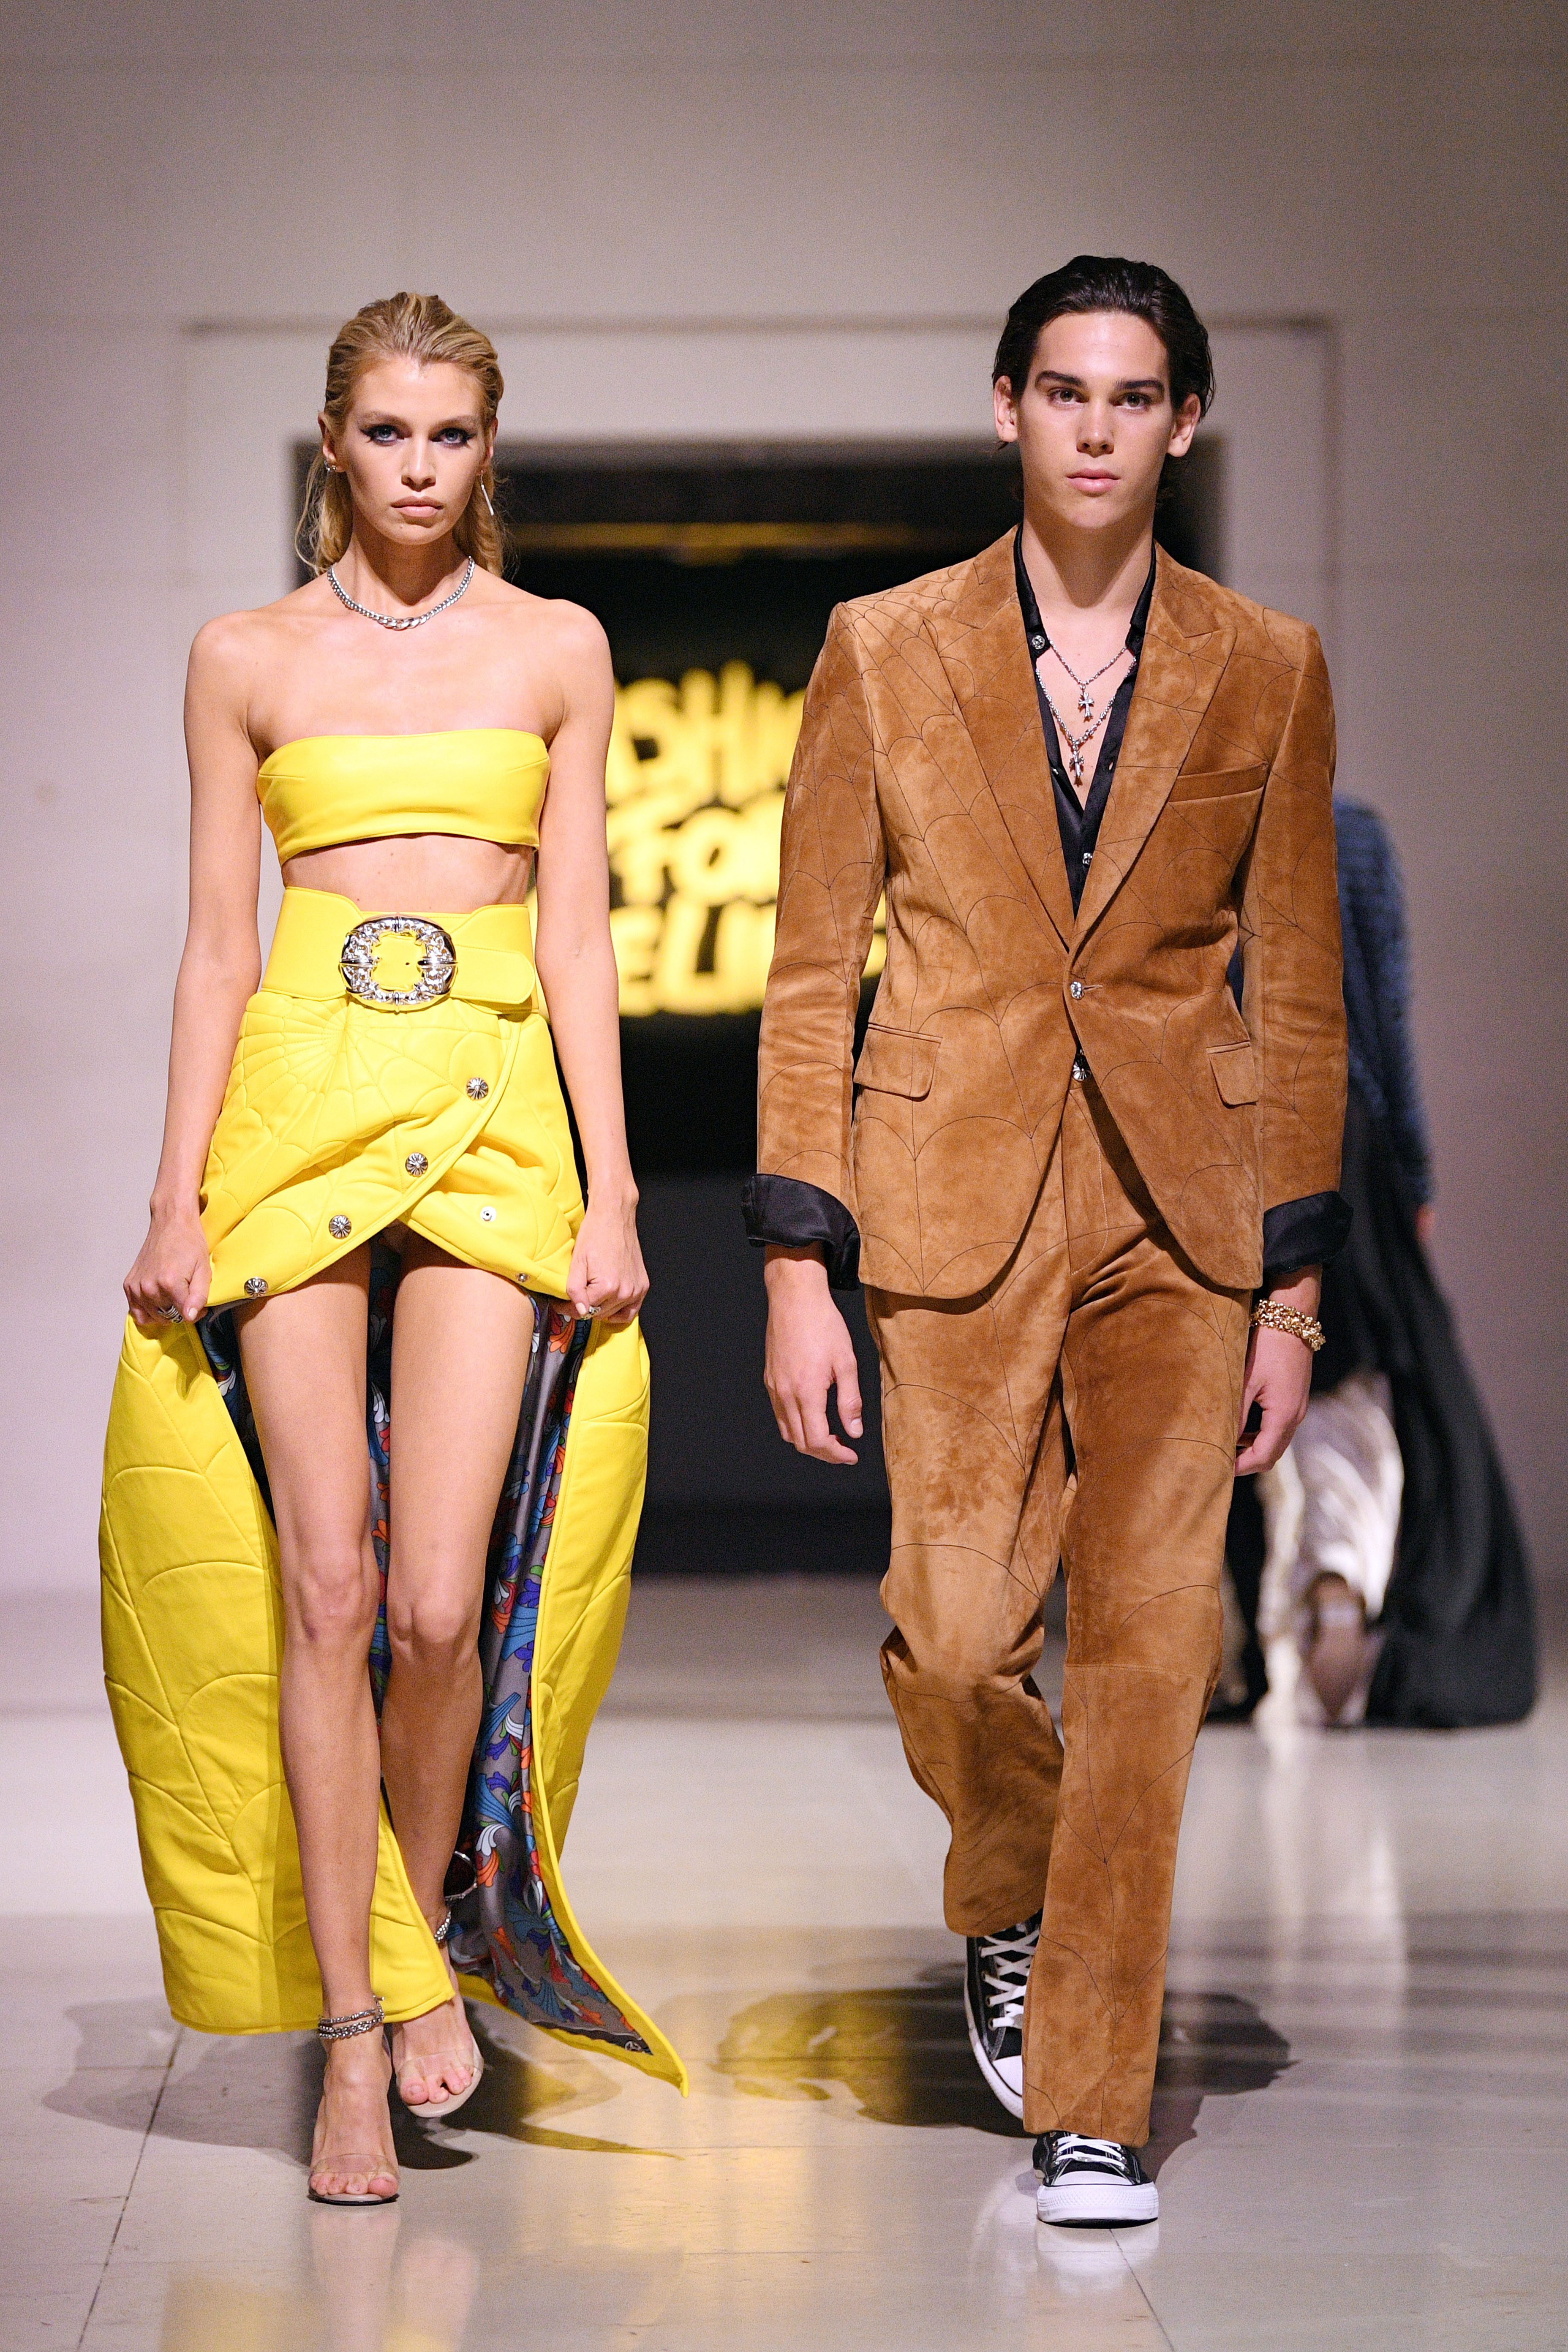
(1076, 745)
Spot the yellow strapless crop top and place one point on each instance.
(484, 781)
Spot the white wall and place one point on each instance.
(784, 189)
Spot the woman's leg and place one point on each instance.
(460, 1358)
(303, 1355)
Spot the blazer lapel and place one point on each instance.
(1184, 653)
(979, 639)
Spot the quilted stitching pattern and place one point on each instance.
(920, 768)
(191, 1632)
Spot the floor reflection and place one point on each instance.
(382, 2286)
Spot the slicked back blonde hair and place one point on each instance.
(422, 328)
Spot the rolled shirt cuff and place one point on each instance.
(796, 1215)
(1308, 1231)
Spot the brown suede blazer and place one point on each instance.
(922, 770)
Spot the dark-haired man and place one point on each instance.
(1066, 1165)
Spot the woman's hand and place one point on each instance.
(608, 1278)
(172, 1271)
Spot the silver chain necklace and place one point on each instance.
(1076, 743)
(395, 620)
(1085, 683)
(1085, 700)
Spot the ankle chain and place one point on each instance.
(358, 2021)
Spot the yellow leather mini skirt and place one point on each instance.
(389, 1071)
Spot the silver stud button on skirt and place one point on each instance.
(340, 1228)
(256, 1285)
(417, 1163)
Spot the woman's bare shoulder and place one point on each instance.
(231, 640)
(551, 622)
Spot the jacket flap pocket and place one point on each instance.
(896, 1062)
(1219, 783)
(1235, 1073)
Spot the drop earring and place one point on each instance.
(486, 496)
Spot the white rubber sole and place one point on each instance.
(1089, 2204)
(995, 2082)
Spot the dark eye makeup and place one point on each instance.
(383, 432)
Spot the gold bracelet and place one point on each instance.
(1288, 1318)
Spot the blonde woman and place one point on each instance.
(382, 1363)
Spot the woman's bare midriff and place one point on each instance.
(443, 873)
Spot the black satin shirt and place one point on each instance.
(1078, 822)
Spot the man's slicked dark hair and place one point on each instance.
(1095, 281)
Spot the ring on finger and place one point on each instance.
(170, 1314)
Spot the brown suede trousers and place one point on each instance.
(1085, 1405)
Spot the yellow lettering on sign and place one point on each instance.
(695, 783)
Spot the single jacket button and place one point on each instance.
(1038, 645)
(417, 1163)
(339, 1228)
(486, 1216)
(477, 1089)
(1087, 856)
(1075, 988)
(256, 1285)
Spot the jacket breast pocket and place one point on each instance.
(896, 1062)
(1220, 784)
(1235, 1074)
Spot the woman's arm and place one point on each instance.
(577, 969)
(218, 970)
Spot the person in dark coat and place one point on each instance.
(1384, 1545)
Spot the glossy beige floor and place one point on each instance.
(1362, 2133)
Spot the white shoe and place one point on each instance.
(995, 1982)
(1091, 2182)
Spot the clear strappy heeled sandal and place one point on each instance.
(433, 2109)
(344, 2028)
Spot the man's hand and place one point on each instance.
(809, 1352)
(1278, 1377)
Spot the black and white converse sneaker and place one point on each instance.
(1091, 2181)
(993, 1986)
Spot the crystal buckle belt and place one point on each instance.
(361, 952)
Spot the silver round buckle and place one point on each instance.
(362, 950)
